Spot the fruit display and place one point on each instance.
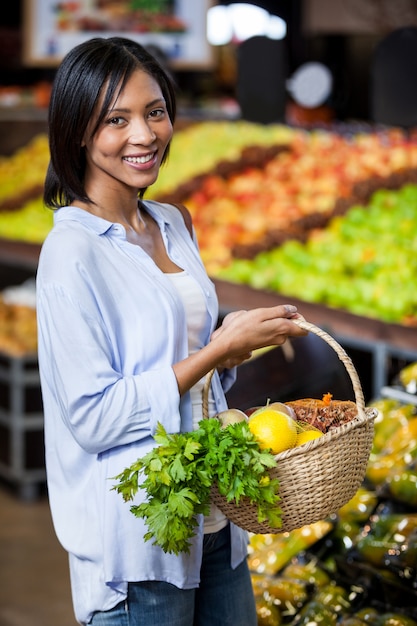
(363, 262)
(393, 461)
(22, 174)
(318, 175)
(277, 208)
(31, 223)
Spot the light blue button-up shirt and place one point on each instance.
(111, 325)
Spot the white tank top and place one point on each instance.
(197, 325)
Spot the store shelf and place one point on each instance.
(18, 255)
(21, 425)
(398, 394)
(381, 341)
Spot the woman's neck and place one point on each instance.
(127, 213)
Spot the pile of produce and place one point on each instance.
(234, 450)
(317, 176)
(364, 262)
(276, 208)
(22, 174)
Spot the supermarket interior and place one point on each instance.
(295, 152)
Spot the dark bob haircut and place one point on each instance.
(85, 71)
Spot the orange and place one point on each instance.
(273, 430)
(307, 435)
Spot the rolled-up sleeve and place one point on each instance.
(101, 405)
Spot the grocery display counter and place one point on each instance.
(380, 340)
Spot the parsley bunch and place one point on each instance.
(181, 470)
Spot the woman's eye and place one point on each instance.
(157, 113)
(115, 121)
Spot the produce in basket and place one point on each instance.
(316, 479)
(180, 471)
(325, 413)
(257, 490)
(274, 430)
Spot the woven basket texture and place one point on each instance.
(318, 478)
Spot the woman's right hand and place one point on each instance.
(244, 331)
(233, 342)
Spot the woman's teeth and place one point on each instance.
(143, 159)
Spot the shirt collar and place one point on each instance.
(98, 224)
(73, 213)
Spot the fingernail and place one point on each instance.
(290, 308)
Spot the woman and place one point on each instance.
(126, 316)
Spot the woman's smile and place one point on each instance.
(144, 161)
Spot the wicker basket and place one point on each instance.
(318, 478)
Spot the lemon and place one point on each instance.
(307, 435)
(273, 430)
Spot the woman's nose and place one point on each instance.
(142, 133)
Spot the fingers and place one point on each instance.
(276, 315)
(244, 331)
(274, 323)
(290, 310)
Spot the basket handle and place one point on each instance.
(346, 360)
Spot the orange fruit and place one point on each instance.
(307, 435)
(273, 430)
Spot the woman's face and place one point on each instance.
(128, 147)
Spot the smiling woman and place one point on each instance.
(80, 125)
(127, 332)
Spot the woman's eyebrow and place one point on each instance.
(147, 106)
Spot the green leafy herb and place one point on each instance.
(179, 474)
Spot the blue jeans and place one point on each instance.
(224, 598)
